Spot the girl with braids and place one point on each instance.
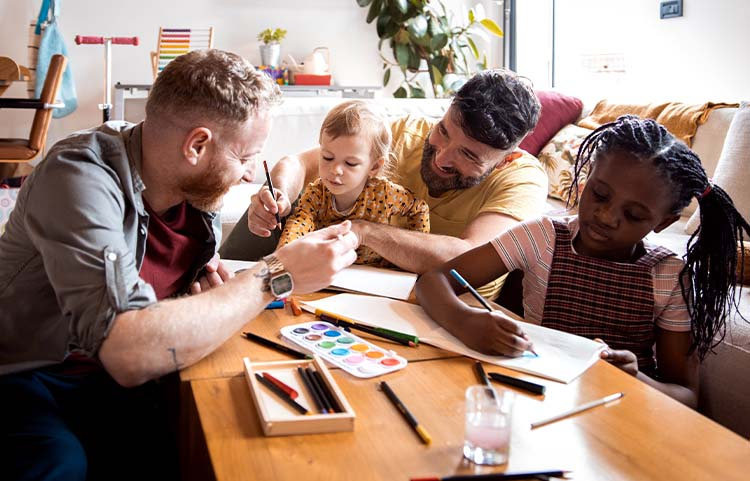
(595, 275)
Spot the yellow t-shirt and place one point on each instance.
(517, 189)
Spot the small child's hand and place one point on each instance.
(622, 359)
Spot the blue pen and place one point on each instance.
(276, 305)
(476, 295)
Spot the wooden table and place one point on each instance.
(227, 360)
(646, 435)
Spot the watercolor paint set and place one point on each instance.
(278, 416)
(359, 357)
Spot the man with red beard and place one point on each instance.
(466, 166)
(109, 231)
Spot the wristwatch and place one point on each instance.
(279, 281)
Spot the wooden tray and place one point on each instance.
(277, 418)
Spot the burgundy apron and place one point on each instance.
(610, 300)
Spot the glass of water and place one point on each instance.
(488, 424)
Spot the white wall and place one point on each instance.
(701, 56)
(338, 24)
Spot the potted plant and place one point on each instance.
(270, 50)
(424, 37)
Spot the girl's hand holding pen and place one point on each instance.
(493, 333)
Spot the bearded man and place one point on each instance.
(467, 167)
(108, 234)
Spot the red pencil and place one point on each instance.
(287, 389)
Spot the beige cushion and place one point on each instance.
(708, 142)
(733, 169)
(558, 158)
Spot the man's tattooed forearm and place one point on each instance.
(177, 364)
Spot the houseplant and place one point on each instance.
(270, 50)
(425, 37)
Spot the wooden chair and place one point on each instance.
(174, 42)
(24, 150)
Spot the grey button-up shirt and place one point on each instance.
(73, 248)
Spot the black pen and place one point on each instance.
(483, 377)
(273, 194)
(405, 412)
(519, 383)
(498, 476)
(280, 392)
(276, 345)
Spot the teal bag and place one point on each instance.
(52, 43)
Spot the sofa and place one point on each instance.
(723, 395)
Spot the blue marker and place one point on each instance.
(476, 295)
(276, 305)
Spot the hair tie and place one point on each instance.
(706, 191)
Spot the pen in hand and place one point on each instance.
(479, 297)
(273, 193)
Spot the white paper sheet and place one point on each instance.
(562, 356)
(356, 278)
(376, 281)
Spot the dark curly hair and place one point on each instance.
(709, 275)
(497, 108)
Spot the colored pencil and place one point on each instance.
(296, 309)
(280, 393)
(312, 390)
(519, 383)
(421, 432)
(276, 345)
(327, 394)
(281, 385)
(275, 305)
(391, 335)
(482, 376)
(576, 410)
(464, 283)
(273, 194)
(499, 476)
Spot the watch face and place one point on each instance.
(281, 286)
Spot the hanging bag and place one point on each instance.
(52, 42)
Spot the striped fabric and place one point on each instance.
(596, 298)
(530, 245)
(174, 42)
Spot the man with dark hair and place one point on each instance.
(466, 166)
(107, 235)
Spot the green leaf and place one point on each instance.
(363, 3)
(472, 18)
(438, 42)
(402, 5)
(385, 26)
(440, 62)
(417, 93)
(417, 26)
(491, 27)
(437, 75)
(386, 77)
(414, 59)
(402, 55)
(473, 47)
(374, 11)
(400, 93)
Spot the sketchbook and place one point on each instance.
(562, 356)
(355, 278)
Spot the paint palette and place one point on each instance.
(343, 349)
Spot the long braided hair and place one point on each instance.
(708, 278)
